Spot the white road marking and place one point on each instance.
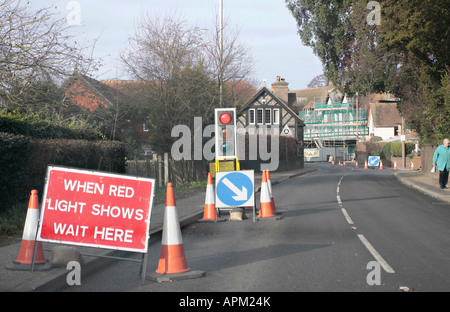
(376, 255)
(347, 216)
(365, 242)
(339, 200)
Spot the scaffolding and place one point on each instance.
(334, 123)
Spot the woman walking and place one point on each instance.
(441, 159)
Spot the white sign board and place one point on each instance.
(374, 161)
(96, 209)
(235, 189)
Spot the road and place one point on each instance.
(342, 229)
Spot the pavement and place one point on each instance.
(190, 209)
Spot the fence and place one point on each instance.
(164, 169)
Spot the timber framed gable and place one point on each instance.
(266, 110)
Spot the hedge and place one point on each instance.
(12, 167)
(24, 161)
(395, 149)
(34, 126)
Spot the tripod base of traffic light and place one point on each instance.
(236, 164)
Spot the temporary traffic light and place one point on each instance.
(225, 128)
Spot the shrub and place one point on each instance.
(35, 126)
(13, 161)
(24, 162)
(395, 149)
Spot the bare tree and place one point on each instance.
(161, 47)
(318, 81)
(167, 55)
(237, 59)
(34, 46)
(181, 65)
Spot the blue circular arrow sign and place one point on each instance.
(374, 160)
(234, 189)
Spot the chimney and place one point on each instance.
(280, 89)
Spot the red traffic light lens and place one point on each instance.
(225, 118)
(226, 133)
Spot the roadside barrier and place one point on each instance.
(265, 209)
(210, 206)
(210, 213)
(172, 259)
(172, 263)
(29, 246)
(269, 186)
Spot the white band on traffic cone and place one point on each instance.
(209, 197)
(171, 231)
(31, 224)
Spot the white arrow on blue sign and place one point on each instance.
(374, 160)
(235, 189)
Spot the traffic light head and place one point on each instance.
(225, 127)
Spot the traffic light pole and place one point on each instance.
(221, 54)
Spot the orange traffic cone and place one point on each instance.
(332, 163)
(412, 165)
(265, 208)
(27, 248)
(269, 186)
(172, 263)
(365, 165)
(356, 164)
(172, 259)
(210, 213)
(381, 165)
(339, 163)
(395, 165)
(343, 165)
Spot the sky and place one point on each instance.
(266, 25)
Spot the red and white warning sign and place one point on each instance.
(96, 209)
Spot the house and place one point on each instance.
(131, 91)
(86, 93)
(269, 112)
(109, 102)
(239, 92)
(115, 102)
(384, 119)
(303, 99)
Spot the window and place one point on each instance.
(251, 116)
(259, 116)
(267, 116)
(276, 116)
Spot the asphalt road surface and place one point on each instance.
(342, 229)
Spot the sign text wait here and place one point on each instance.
(96, 209)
